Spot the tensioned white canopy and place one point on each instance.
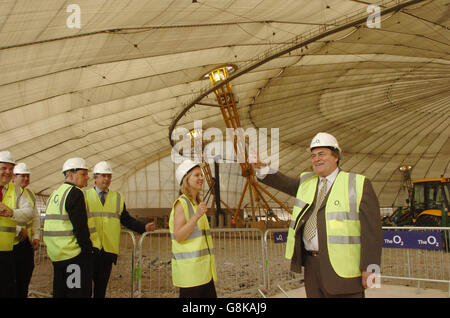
(113, 88)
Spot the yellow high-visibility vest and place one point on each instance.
(106, 218)
(343, 228)
(193, 261)
(58, 230)
(31, 196)
(7, 224)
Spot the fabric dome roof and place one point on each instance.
(113, 88)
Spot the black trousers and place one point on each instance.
(24, 265)
(7, 275)
(207, 290)
(102, 270)
(72, 278)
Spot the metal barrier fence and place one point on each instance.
(154, 271)
(415, 256)
(240, 261)
(249, 261)
(239, 257)
(121, 279)
(277, 267)
(41, 281)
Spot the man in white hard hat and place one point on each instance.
(28, 239)
(14, 208)
(335, 230)
(107, 213)
(67, 235)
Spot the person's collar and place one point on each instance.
(98, 190)
(332, 176)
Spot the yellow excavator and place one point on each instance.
(428, 204)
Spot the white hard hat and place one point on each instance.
(74, 163)
(324, 140)
(102, 167)
(5, 156)
(184, 168)
(21, 168)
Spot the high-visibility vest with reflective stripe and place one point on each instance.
(343, 228)
(7, 224)
(31, 196)
(58, 230)
(106, 218)
(193, 261)
(94, 236)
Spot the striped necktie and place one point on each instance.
(311, 224)
(102, 197)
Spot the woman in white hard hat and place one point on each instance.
(193, 262)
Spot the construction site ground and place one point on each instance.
(385, 291)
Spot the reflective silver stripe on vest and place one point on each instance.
(7, 229)
(18, 194)
(292, 225)
(58, 233)
(342, 216)
(30, 195)
(63, 199)
(194, 254)
(118, 204)
(104, 214)
(195, 232)
(61, 217)
(352, 193)
(65, 233)
(306, 177)
(190, 207)
(352, 215)
(353, 204)
(299, 203)
(344, 239)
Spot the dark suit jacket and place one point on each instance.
(371, 235)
